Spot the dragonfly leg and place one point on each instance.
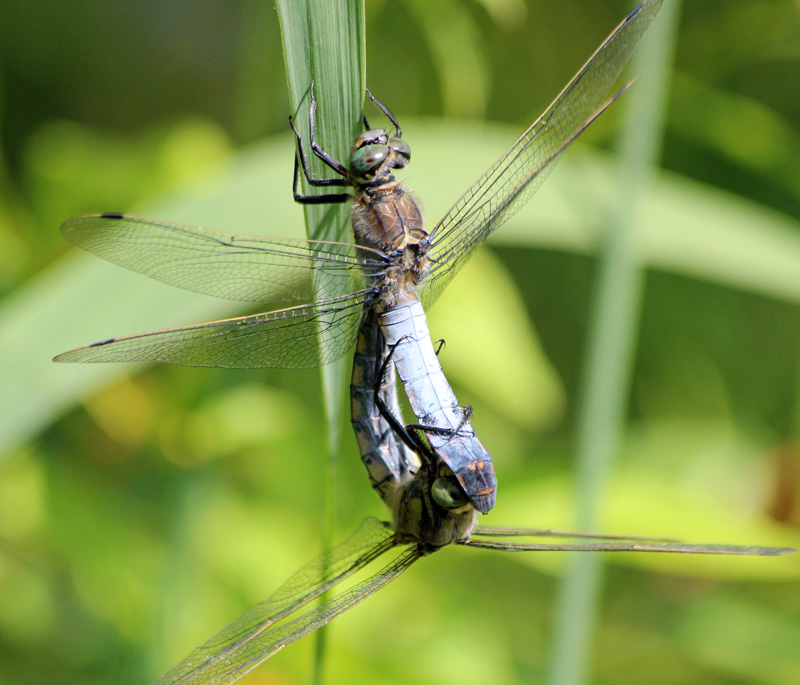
(466, 417)
(383, 108)
(328, 198)
(345, 179)
(338, 167)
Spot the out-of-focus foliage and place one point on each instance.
(142, 509)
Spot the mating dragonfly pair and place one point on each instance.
(433, 476)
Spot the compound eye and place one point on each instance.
(366, 160)
(375, 136)
(400, 146)
(448, 493)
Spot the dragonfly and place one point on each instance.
(430, 511)
(322, 290)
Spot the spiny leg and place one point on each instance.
(383, 108)
(329, 198)
(338, 167)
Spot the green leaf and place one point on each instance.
(324, 44)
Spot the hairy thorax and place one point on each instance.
(389, 219)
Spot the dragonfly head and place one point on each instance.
(375, 154)
(433, 510)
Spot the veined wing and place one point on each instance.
(516, 176)
(490, 531)
(262, 631)
(606, 543)
(246, 268)
(298, 337)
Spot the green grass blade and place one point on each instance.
(612, 346)
(324, 42)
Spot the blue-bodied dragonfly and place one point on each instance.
(429, 512)
(325, 289)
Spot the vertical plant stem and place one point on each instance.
(324, 42)
(612, 344)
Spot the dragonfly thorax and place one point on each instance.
(388, 218)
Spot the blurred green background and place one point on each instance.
(141, 509)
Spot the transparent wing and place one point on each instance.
(609, 543)
(279, 272)
(489, 531)
(298, 337)
(333, 280)
(262, 630)
(517, 175)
